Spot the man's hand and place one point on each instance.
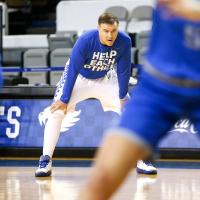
(123, 101)
(58, 105)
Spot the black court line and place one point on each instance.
(175, 164)
(56, 163)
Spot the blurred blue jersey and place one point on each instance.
(169, 86)
(175, 45)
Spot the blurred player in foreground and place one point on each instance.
(90, 73)
(169, 88)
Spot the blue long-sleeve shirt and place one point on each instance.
(93, 60)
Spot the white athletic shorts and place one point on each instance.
(105, 89)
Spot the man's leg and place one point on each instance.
(83, 89)
(137, 132)
(51, 135)
(52, 132)
(121, 155)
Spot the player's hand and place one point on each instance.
(123, 101)
(58, 105)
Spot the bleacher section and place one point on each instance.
(68, 18)
(51, 51)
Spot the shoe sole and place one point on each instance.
(43, 174)
(141, 171)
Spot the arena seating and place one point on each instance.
(88, 12)
(58, 58)
(64, 39)
(15, 45)
(141, 55)
(36, 58)
(122, 14)
(72, 19)
(140, 19)
(142, 39)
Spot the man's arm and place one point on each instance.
(188, 9)
(77, 60)
(124, 100)
(123, 72)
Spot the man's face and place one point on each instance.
(108, 33)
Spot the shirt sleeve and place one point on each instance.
(77, 60)
(124, 70)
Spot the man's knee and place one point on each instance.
(58, 114)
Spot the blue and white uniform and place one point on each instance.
(175, 44)
(90, 61)
(169, 85)
(89, 73)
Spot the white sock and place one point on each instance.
(52, 132)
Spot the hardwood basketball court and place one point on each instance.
(176, 180)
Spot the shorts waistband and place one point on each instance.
(175, 81)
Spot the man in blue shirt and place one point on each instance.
(169, 87)
(90, 73)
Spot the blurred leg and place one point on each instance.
(121, 155)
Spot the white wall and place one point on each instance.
(83, 15)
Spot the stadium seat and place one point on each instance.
(140, 19)
(142, 39)
(13, 56)
(36, 58)
(58, 58)
(62, 40)
(122, 14)
(141, 55)
(14, 47)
